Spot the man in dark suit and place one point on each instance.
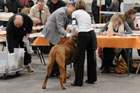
(55, 4)
(2, 5)
(19, 26)
(13, 5)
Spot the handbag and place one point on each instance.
(11, 62)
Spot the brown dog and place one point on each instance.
(61, 54)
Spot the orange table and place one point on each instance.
(118, 42)
(40, 41)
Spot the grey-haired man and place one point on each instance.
(56, 26)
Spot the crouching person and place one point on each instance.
(19, 26)
(86, 42)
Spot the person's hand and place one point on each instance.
(36, 21)
(69, 28)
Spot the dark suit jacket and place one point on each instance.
(13, 5)
(2, 5)
(15, 35)
(52, 7)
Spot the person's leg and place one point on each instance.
(127, 55)
(91, 59)
(27, 57)
(27, 61)
(79, 60)
(108, 57)
(91, 66)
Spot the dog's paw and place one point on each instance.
(43, 87)
(63, 88)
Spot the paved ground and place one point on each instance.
(31, 83)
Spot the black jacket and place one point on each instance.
(2, 5)
(13, 5)
(52, 7)
(15, 35)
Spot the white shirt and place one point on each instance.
(83, 20)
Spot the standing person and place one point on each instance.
(114, 6)
(19, 26)
(86, 42)
(55, 27)
(39, 13)
(13, 6)
(2, 5)
(55, 4)
(107, 4)
(2, 9)
(95, 11)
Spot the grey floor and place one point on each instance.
(107, 83)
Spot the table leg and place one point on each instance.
(40, 54)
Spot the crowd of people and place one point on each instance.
(56, 15)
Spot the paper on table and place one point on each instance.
(36, 35)
(38, 27)
(136, 33)
(2, 32)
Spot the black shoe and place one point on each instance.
(90, 82)
(78, 85)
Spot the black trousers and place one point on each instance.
(85, 43)
(27, 58)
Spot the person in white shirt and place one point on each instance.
(86, 42)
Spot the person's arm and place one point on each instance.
(61, 24)
(105, 28)
(47, 12)
(131, 24)
(10, 36)
(111, 6)
(127, 28)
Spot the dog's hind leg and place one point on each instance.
(62, 76)
(49, 70)
(65, 79)
(61, 64)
